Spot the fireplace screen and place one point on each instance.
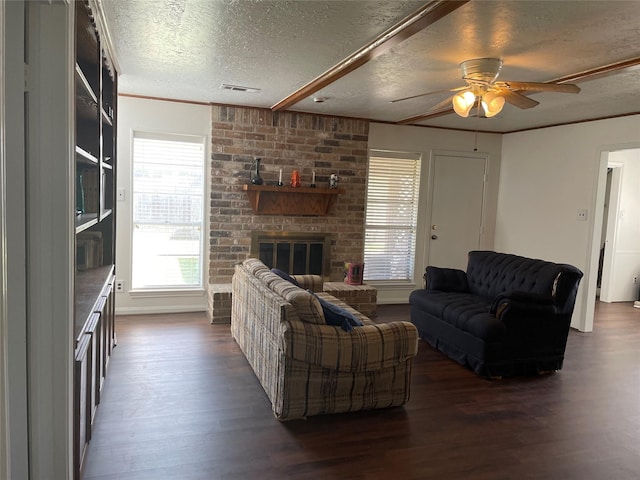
(295, 253)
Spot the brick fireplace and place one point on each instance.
(287, 141)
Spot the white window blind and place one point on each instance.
(168, 202)
(393, 187)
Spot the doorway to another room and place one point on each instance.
(618, 278)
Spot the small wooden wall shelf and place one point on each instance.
(273, 200)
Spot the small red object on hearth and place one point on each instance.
(353, 273)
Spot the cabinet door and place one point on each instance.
(82, 399)
(94, 363)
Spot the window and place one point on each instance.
(393, 187)
(168, 202)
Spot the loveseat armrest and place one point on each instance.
(366, 348)
(524, 298)
(446, 279)
(510, 306)
(314, 283)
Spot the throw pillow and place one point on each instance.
(446, 279)
(338, 316)
(285, 276)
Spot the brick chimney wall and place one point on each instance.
(287, 140)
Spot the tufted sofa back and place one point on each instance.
(491, 273)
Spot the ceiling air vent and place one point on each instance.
(239, 88)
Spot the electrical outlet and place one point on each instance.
(635, 279)
(583, 214)
(119, 285)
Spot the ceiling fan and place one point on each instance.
(484, 90)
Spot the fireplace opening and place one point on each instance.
(295, 253)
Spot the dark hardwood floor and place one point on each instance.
(180, 402)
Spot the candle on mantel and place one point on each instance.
(280, 178)
(313, 177)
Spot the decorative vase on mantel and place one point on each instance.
(256, 179)
(295, 179)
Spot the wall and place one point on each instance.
(626, 244)
(428, 142)
(160, 117)
(546, 176)
(286, 140)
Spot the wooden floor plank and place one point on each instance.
(181, 402)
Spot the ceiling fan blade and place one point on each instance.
(540, 87)
(445, 103)
(433, 111)
(516, 99)
(428, 93)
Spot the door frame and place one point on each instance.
(589, 300)
(430, 183)
(4, 386)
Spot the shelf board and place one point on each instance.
(106, 117)
(84, 156)
(85, 84)
(85, 220)
(106, 213)
(307, 201)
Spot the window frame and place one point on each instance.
(202, 253)
(417, 209)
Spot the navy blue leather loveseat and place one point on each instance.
(506, 315)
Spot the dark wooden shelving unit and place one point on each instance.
(306, 201)
(95, 168)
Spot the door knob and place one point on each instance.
(434, 237)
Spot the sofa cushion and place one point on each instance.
(490, 273)
(306, 304)
(312, 282)
(254, 265)
(466, 312)
(285, 276)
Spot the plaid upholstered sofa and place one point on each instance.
(307, 367)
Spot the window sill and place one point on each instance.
(157, 293)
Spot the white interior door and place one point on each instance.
(612, 202)
(457, 202)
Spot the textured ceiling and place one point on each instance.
(185, 49)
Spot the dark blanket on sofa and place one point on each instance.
(506, 315)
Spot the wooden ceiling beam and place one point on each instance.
(595, 73)
(419, 20)
(601, 72)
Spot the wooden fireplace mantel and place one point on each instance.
(274, 200)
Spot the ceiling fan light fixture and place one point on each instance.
(492, 104)
(463, 102)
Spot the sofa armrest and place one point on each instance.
(523, 298)
(309, 282)
(510, 306)
(366, 348)
(446, 279)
